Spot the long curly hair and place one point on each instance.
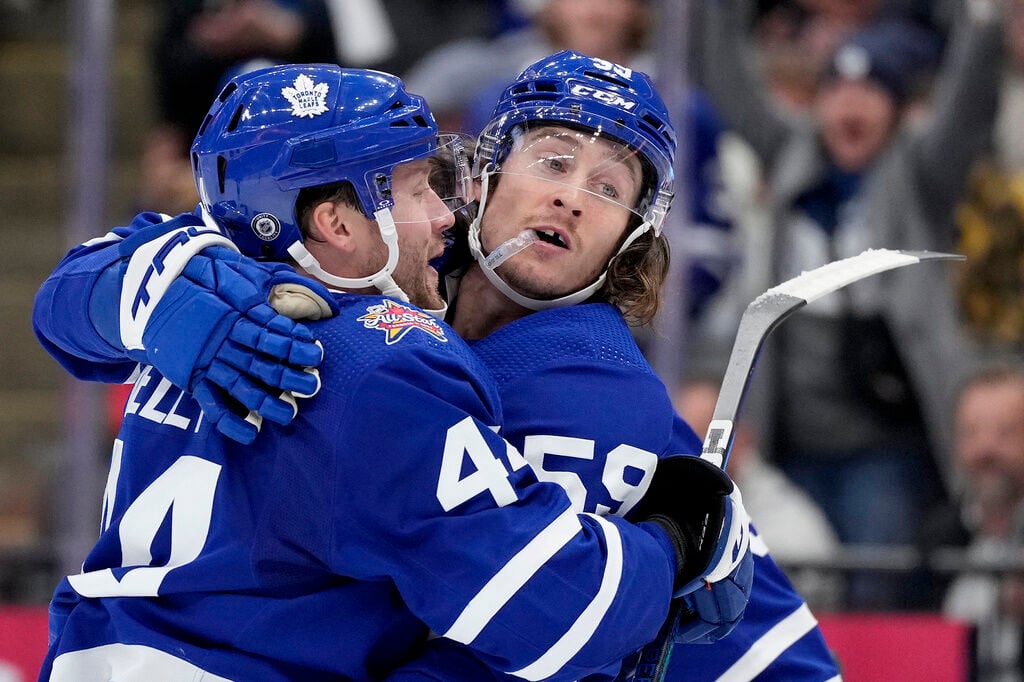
(635, 278)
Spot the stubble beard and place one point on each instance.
(415, 278)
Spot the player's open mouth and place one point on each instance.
(551, 237)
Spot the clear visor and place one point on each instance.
(450, 174)
(590, 169)
(435, 187)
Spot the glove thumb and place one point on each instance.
(299, 302)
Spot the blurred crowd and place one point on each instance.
(888, 414)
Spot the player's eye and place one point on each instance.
(556, 163)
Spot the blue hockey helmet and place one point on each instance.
(573, 90)
(275, 131)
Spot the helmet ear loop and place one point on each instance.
(473, 233)
(382, 279)
(638, 231)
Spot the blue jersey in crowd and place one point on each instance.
(333, 547)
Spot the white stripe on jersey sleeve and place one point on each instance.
(512, 576)
(108, 237)
(770, 646)
(583, 629)
(126, 663)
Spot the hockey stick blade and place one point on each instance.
(762, 316)
(768, 310)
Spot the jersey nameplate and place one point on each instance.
(161, 402)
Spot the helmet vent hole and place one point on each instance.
(205, 125)
(421, 122)
(235, 118)
(222, 168)
(226, 92)
(608, 78)
(546, 87)
(653, 122)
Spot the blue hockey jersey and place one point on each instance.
(588, 412)
(333, 547)
(606, 416)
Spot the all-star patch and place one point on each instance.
(308, 99)
(395, 320)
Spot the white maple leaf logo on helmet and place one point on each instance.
(307, 99)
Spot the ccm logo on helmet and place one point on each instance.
(602, 96)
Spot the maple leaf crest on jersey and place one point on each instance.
(395, 320)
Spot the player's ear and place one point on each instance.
(334, 222)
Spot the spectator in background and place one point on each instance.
(199, 46)
(854, 391)
(796, 38)
(989, 424)
(991, 218)
(1008, 131)
(991, 282)
(788, 521)
(471, 72)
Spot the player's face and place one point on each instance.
(572, 190)
(421, 218)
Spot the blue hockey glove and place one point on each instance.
(214, 334)
(199, 311)
(703, 616)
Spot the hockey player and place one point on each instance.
(555, 267)
(389, 507)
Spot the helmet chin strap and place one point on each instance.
(489, 265)
(380, 280)
(437, 313)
